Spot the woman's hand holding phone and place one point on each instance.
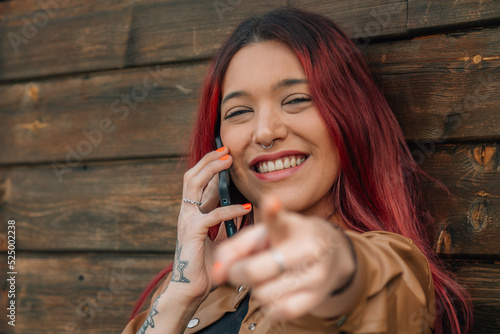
(194, 251)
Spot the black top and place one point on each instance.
(230, 323)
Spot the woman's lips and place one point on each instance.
(281, 174)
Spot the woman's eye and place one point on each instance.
(243, 111)
(235, 113)
(299, 100)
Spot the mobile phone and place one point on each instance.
(225, 199)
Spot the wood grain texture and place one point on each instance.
(84, 36)
(133, 205)
(481, 279)
(79, 292)
(41, 38)
(364, 22)
(436, 95)
(95, 293)
(129, 113)
(469, 224)
(443, 87)
(164, 31)
(97, 35)
(425, 16)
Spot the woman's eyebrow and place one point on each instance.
(280, 84)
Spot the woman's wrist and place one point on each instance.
(172, 311)
(341, 288)
(340, 299)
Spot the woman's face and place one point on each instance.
(265, 97)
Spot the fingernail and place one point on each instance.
(247, 206)
(220, 149)
(274, 204)
(217, 270)
(224, 158)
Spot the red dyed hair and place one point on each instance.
(379, 186)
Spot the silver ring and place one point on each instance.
(268, 147)
(191, 201)
(279, 259)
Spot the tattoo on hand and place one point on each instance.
(179, 266)
(149, 320)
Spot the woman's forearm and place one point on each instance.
(170, 313)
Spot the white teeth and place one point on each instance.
(287, 163)
(279, 164)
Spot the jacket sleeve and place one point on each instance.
(398, 294)
(136, 323)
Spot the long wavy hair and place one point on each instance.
(379, 185)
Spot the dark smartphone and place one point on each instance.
(225, 199)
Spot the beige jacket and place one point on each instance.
(398, 296)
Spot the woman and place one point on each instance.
(333, 231)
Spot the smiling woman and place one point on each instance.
(332, 221)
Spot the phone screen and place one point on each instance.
(225, 199)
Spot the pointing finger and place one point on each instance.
(276, 219)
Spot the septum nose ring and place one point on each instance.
(268, 147)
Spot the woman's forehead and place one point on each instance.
(261, 64)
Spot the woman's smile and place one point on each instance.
(277, 166)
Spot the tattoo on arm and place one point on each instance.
(149, 320)
(179, 266)
(177, 276)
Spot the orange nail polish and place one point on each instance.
(247, 206)
(275, 204)
(216, 269)
(224, 158)
(220, 149)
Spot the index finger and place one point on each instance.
(275, 218)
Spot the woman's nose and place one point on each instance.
(270, 126)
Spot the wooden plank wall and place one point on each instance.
(96, 98)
